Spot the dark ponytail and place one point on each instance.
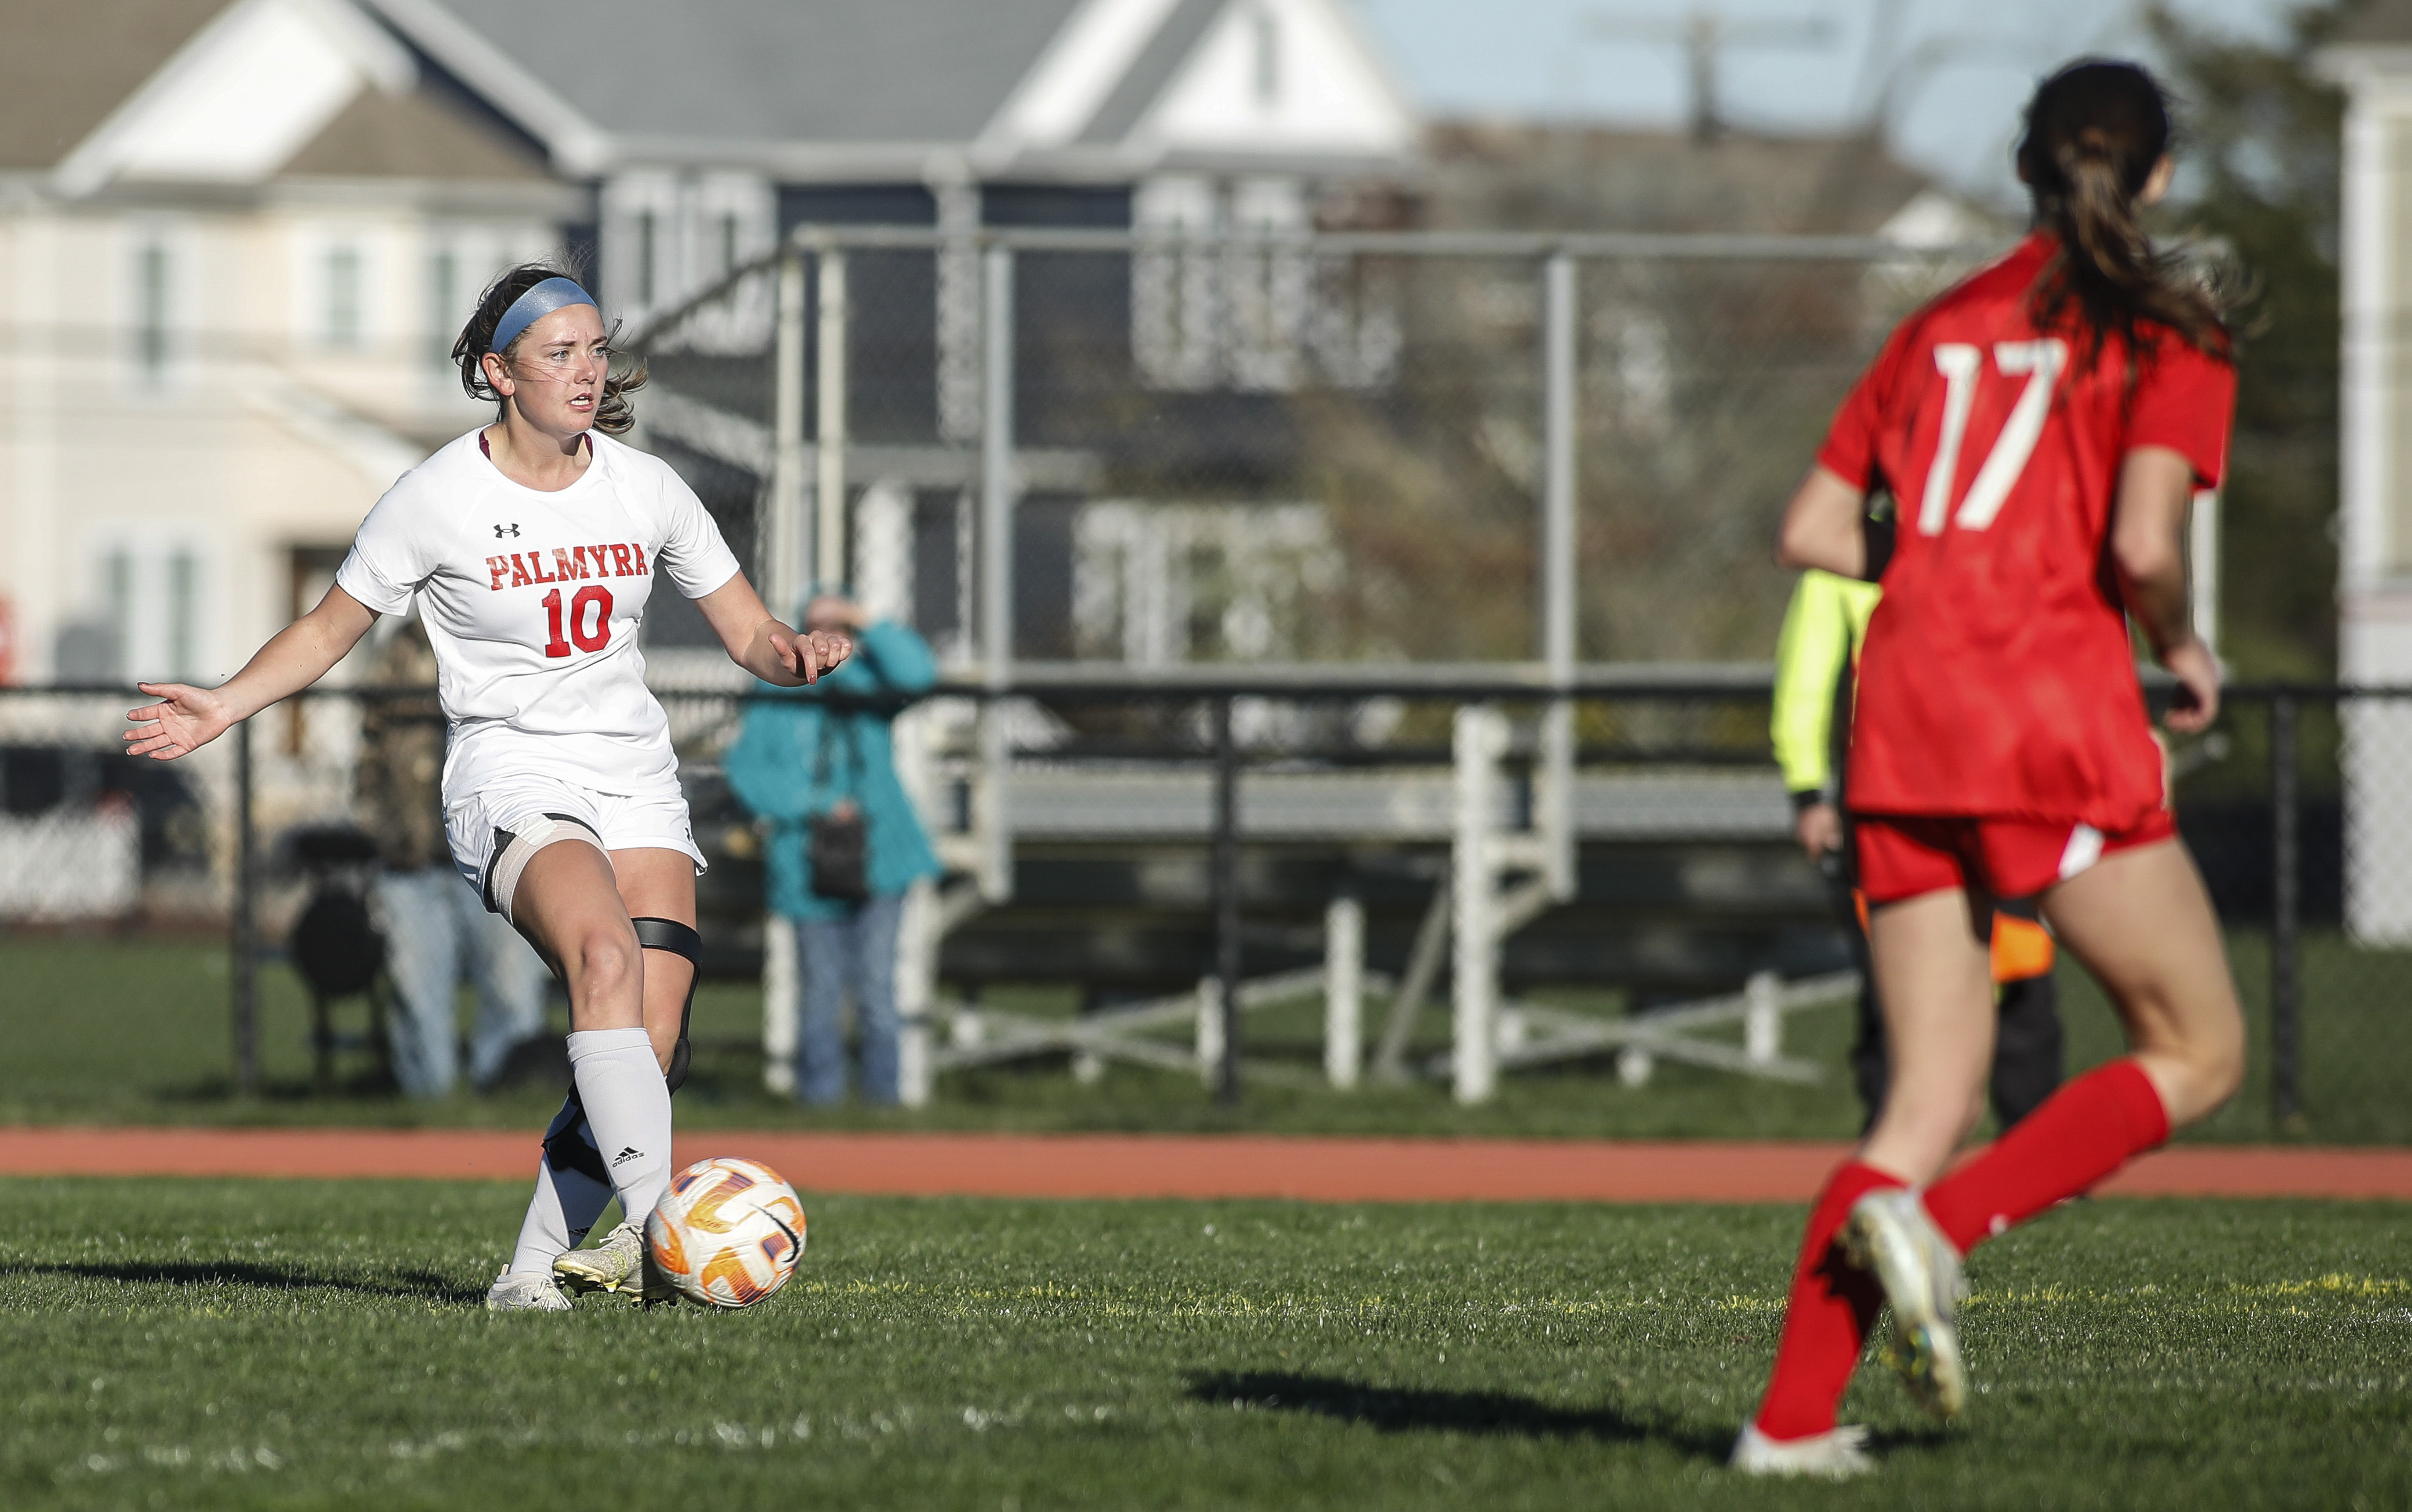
(2095, 132)
(613, 416)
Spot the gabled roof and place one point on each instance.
(858, 89)
(416, 135)
(749, 70)
(234, 93)
(68, 63)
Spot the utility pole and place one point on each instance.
(1702, 36)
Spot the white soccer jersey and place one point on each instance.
(532, 601)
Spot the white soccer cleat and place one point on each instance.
(1890, 1236)
(1835, 1455)
(525, 1291)
(613, 1265)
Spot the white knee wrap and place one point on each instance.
(514, 849)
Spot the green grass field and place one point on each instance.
(136, 1030)
(287, 1345)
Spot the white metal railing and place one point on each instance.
(1499, 878)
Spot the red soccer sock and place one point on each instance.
(1834, 1303)
(2087, 1130)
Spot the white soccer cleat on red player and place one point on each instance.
(525, 1291)
(1835, 1455)
(615, 1264)
(1890, 1236)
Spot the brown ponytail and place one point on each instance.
(613, 416)
(2095, 132)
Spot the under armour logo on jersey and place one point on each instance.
(500, 531)
(628, 1153)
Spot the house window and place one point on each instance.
(646, 271)
(151, 312)
(1256, 312)
(1268, 50)
(184, 614)
(1177, 286)
(343, 312)
(443, 304)
(117, 583)
(729, 242)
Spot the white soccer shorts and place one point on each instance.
(481, 827)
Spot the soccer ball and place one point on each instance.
(727, 1233)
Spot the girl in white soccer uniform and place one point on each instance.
(532, 546)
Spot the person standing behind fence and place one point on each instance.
(845, 846)
(1816, 664)
(437, 929)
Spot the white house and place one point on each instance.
(233, 237)
(710, 128)
(711, 124)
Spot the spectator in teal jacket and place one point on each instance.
(815, 762)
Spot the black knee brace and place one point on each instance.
(679, 940)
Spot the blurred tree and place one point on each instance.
(2260, 148)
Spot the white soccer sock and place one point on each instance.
(628, 1110)
(565, 1206)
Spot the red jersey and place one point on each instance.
(1997, 678)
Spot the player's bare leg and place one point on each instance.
(2141, 921)
(652, 884)
(568, 903)
(1935, 989)
(659, 883)
(1934, 980)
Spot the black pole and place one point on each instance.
(1226, 898)
(2285, 921)
(246, 922)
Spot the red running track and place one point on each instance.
(1164, 1165)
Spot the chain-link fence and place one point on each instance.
(1123, 839)
(1285, 583)
(1308, 449)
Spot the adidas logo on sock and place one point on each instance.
(627, 1154)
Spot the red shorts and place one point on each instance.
(1902, 855)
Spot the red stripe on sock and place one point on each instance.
(1826, 1319)
(2087, 1130)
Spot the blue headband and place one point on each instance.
(533, 306)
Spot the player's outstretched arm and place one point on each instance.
(764, 646)
(188, 718)
(1823, 526)
(2148, 530)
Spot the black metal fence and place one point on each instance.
(2298, 806)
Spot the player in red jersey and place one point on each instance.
(2045, 426)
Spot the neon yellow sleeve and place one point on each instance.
(1821, 634)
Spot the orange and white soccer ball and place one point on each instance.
(727, 1233)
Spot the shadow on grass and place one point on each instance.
(424, 1285)
(1403, 1409)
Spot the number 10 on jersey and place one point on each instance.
(2041, 364)
(593, 602)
